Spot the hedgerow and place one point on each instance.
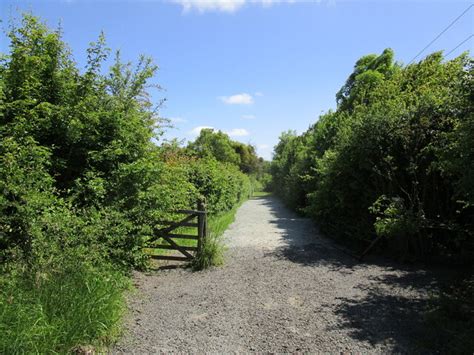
(82, 185)
(394, 160)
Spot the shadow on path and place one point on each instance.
(395, 296)
(304, 244)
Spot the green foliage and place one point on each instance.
(212, 253)
(249, 162)
(26, 190)
(265, 182)
(369, 72)
(395, 158)
(215, 144)
(287, 163)
(450, 321)
(393, 220)
(219, 146)
(83, 185)
(223, 185)
(59, 310)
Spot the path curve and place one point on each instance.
(283, 288)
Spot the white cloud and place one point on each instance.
(211, 5)
(177, 120)
(196, 130)
(232, 6)
(263, 146)
(237, 99)
(266, 3)
(238, 132)
(258, 93)
(248, 117)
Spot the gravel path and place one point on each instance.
(283, 288)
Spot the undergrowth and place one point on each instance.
(450, 322)
(213, 248)
(58, 311)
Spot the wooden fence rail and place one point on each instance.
(188, 253)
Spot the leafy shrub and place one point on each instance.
(223, 185)
(399, 131)
(393, 220)
(83, 185)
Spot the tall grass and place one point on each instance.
(58, 311)
(212, 252)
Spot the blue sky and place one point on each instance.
(251, 68)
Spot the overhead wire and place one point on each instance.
(459, 45)
(442, 32)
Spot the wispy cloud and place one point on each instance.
(177, 120)
(237, 99)
(258, 93)
(229, 6)
(196, 130)
(211, 5)
(248, 117)
(238, 132)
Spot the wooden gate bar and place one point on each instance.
(165, 234)
(169, 257)
(177, 247)
(164, 246)
(159, 232)
(177, 223)
(183, 236)
(190, 212)
(201, 224)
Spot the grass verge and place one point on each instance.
(261, 194)
(60, 311)
(213, 248)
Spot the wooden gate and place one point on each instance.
(195, 219)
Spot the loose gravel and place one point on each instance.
(284, 288)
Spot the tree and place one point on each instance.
(369, 71)
(215, 144)
(249, 162)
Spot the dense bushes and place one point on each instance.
(223, 184)
(82, 185)
(395, 159)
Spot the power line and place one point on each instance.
(459, 45)
(442, 32)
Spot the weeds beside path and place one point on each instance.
(283, 288)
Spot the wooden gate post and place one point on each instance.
(202, 224)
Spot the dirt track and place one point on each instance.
(284, 288)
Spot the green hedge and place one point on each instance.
(395, 159)
(82, 185)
